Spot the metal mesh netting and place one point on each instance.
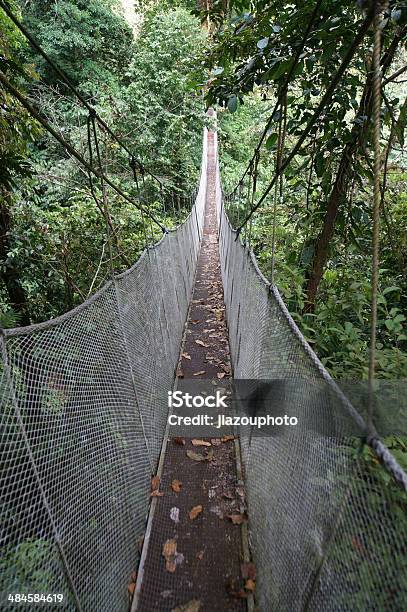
(328, 521)
(83, 414)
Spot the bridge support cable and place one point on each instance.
(284, 88)
(66, 80)
(326, 98)
(278, 189)
(377, 196)
(71, 150)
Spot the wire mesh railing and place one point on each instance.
(83, 411)
(327, 505)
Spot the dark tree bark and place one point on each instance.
(10, 277)
(343, 177)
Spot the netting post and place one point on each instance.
(9, 381)
(126, 348)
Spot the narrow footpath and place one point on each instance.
(194, 553)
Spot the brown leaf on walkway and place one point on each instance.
(201, 343)
(156, 494)
(131, 588)
(200, 555)
(176, 485)
(169, 553)
(133, 577)
(216, 441)
(227, 438)
(199, 373)
(198, 457)
(221, 375)
(180, 372)
(179, 441)
(194, 512)
(186, 356)
(191, 606)
(250, 585)
(248, 570)
(196, 442)
(237, 519)
(195, 321)
(155, 483)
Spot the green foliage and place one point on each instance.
(30, 567)
(88, 39)
(144, 88)
(250, 58)
(161, 95)
(17, 128)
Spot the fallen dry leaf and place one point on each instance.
(200, 555)
(250, 585)
(186, 356)
(194, 512)
(196, 442)
(199, 373)
(221, 374)
(179, 441)
(131, 588)
(196, 456)
(155, 483)
(201, 343)
(133, 576)
(176, 485)
(180, 372)
(237, 519)
(199, 457)
(191, 606)
(227, 438)
(216, 441)
(169, 553)
(156, 494)
(195, 321)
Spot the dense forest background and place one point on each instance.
(149, 69)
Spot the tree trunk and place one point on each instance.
(343, 177)
(10, 277)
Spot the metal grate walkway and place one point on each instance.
(209, 548)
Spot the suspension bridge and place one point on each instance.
(105, 507)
